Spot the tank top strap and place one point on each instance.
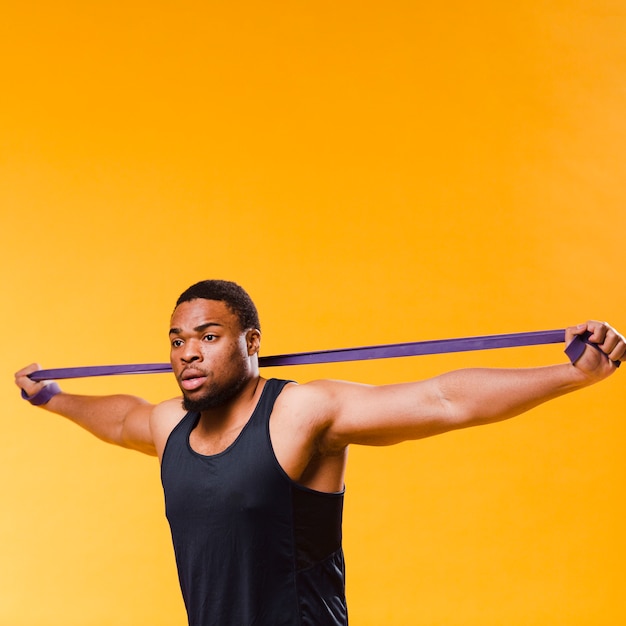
(269, 395)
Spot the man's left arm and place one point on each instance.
(389, 414)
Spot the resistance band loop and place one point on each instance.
(416, 348)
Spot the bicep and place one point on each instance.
(384, 415)
(137, 429)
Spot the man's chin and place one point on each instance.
(212, 399)
(198, 404)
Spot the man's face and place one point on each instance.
(209, 353)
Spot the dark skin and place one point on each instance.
(217, 356)
(313, 424)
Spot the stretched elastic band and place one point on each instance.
(43, 395)
(416, 348)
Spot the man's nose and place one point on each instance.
(191, 352)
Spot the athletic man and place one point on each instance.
(253, 469)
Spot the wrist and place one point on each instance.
(43, 396)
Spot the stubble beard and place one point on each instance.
(215, 396)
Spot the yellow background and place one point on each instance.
(372, 173)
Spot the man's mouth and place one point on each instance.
(192, 380)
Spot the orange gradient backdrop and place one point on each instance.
(371, 173)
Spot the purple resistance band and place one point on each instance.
(416, 348)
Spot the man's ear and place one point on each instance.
(253, 341)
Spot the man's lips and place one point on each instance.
(191, 380)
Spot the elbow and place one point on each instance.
(460, 414)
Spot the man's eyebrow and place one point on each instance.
(197, 329)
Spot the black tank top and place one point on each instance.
(252, 546)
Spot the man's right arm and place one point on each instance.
(122, 420)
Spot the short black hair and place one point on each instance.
(235, 297)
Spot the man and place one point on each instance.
(253, 469)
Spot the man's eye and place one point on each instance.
(177, 343)
(209, 337)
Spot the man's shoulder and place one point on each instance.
(164, 418)
(321, 387)
(314, 396)
(302, 392)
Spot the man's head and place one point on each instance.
(214, 339)
(235, 297)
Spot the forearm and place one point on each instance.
(482, 396)
(122, 420)
(103, 416)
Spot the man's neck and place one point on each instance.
(236, 411)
